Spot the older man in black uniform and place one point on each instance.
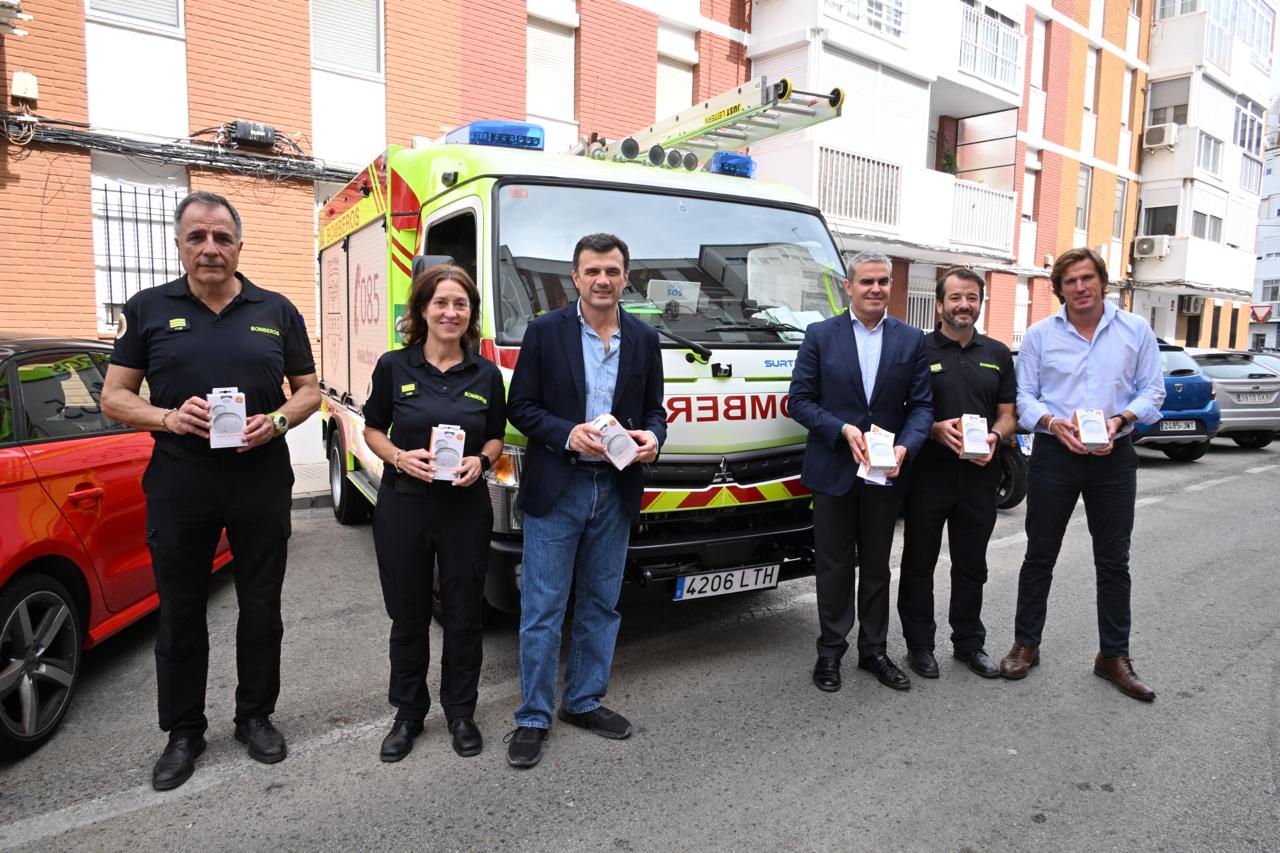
(971, 375)
(213, 328)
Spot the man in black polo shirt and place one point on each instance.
(213, 328)
(972, 375)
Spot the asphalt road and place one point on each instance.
(734, 747)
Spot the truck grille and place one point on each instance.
(746, 469)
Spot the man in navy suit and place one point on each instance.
(854, 370)
(576, 363)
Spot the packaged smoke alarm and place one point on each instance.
(973, 430)
(619, 446)
(227, 418)
(880, 449)
(1092, 428)
(446, 444)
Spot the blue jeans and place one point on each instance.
(589, 528)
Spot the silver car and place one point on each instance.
(1248, 395)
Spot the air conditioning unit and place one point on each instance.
(1191, 305)
(1160, 136)
(1156, 246)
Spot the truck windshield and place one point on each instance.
(713, 271)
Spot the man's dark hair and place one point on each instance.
(208, 199)
(962, 273)
(600, 244)
(1071, 256)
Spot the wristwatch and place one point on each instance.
(280, 422)
(485, 464)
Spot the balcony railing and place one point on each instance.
(858, 188)
(982, 216)
(990, 48)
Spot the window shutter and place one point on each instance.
(163, 12)
(347, 34)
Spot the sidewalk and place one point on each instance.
(311, 485)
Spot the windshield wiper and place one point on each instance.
(703, 351)
(763, 326)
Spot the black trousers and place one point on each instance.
(956, 493)
(857, 524)
(415, 535)
(189, 502)
(1109, 485)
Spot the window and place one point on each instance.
(163, 13)
(1126, 98)
(1254, 28)
(1206, 226)
(1117, 219)
(990, 44)
(346, 35)
(61, 395)
(1091, 79)
(1271, 290)
(549, 76)
(1170, 8)
(1219, 27)
(881, 16)
(1209, 153)
(1168, 102)
(1248, 129)
(1030, 187)
(1082, 198)
(1160, 220)
(675, 87)
(1250, 174)
(1038, 53)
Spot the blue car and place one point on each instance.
(1189, 416)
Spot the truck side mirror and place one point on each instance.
(424, 262)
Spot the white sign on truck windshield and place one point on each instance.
(711, 270)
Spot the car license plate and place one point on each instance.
(1177, 426)
(1254, 398)
(1025, 441)
(721, 583)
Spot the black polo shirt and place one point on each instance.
(186, 350)
(967, 381)
(409, 395)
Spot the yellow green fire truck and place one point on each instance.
(729, 270)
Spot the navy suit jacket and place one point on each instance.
(827, 393)
(548, 398)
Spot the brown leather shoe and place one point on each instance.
(1019, 661)
(1119, 671)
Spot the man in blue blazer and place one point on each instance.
(577, 363)
(854, 370)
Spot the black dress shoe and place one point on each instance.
(399, 741)
(826, 674)
(885, 670)
(176, 764)
(266, 744)
(923, 663)
(978, 661)
(466, 737)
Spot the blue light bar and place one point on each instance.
(503, 134)
(731, 163)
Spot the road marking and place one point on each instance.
(1207, 484)
(1260, 469)
(1147, 501)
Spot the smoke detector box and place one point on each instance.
(26, 86)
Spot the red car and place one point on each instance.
(74, 565)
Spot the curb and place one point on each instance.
(312, 500)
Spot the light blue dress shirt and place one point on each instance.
(600, 369)
(868, 342)
(1059, 370)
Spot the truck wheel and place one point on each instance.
(40, 643)
(349, 506)
(1013, 477)
(1255, 440)
(1185, 452)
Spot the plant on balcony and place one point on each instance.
(949, 162)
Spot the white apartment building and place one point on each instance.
(1202, 168)
(1264, 330)
(921, 164)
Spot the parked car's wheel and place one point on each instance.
(40, 639)
(349, 506)
(1185, 452)
(1255, 440)
(1013, 477)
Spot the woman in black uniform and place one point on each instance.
(423, 523)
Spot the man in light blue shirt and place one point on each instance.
(1089, 355)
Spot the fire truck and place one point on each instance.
(729, 270)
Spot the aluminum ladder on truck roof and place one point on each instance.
(742, 116)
